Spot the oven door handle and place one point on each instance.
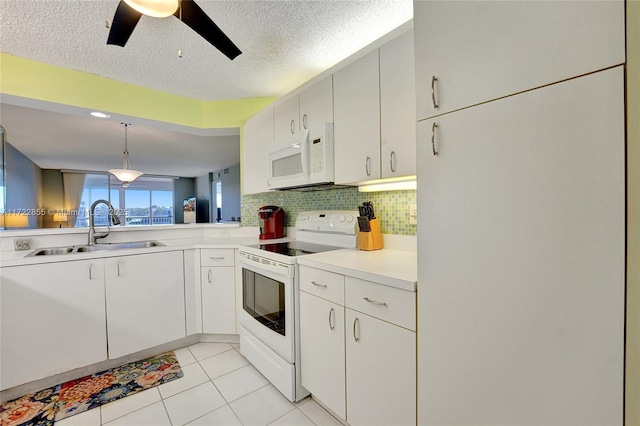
(255, 266)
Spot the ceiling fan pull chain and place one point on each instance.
(180, 30)
(107, 24)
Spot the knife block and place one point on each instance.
(371, 240)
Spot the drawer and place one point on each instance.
(323, 284)
(216, 257)
(386, 303)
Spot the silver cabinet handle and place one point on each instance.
(217, 258)
(292, 124)
(118, 267)
(209, 276)
(433, 91)
(433, 138)
(90, 271)
(373, 302)
(355, 324)
(318, 285)
(332, 325)
(367, 166)
(304, 121)
(392, 161)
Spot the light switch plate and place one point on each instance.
(413, 214)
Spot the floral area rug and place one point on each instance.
(45, 407)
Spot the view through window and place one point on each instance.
(146, 201)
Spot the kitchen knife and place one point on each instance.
(363, 224)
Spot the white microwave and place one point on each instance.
(307, 163)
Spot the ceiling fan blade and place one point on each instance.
(124, 21)
(194, 17)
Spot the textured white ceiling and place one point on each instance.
(284, 43)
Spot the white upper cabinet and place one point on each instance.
(308, 110)
(357, 120)
(468, 52)
(287, 121)
(397, 107)
(257, 138)
(316, 107)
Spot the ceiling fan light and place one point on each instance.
(154, 8)
(125, 175)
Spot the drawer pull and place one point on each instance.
(332, 325)
(318, 285)
(91, 271)
(373, 302)
(217, 258)
(356, 322)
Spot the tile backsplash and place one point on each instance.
(391, 207)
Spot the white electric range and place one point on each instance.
(269, 320)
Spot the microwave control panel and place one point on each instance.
(317, 155)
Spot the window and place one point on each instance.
(146, 201)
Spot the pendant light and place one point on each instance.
(125, 174)
(154, 8)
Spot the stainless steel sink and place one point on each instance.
(95, 247)
(50, 251)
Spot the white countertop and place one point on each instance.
(394, 268)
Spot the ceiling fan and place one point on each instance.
(129, 12)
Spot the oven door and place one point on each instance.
(267, 307)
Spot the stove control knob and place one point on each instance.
(350, 219)
(342, 218)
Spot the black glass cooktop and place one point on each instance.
(294, 248)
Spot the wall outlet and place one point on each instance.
(224, 232)
(413, 214)
(22, 244)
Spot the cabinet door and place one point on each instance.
(357, 120)
(218, 300)
(482, 50)
(381, 372)
(145, 301)
(287, 121)
(398, 107)
(52, 319)
(316, 107)
(257, 138)
(322, 351)
(521, 244)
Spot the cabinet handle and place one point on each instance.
(392, 161)
(118, 267)
(367, 166)
(318, 285)
(356, 322)
(433, 91)
(90, 271)
(332, 325)
(304, 121)
(373, 302)
(209, 276)
(292, 124)
(217, 258)
(433, 138)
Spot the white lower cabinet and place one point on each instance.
(217, 280)
(357, 356)
(145, 301)
(52, 319)
(381, 372)
(322, 351)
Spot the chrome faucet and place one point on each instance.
(93, 235)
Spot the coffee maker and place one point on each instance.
(271, 222)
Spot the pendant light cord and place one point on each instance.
(125, 162)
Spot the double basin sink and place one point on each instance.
(94, 247)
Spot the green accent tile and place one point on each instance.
(392, 207)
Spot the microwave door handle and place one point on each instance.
(304, 149)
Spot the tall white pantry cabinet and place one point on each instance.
(521, 194)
